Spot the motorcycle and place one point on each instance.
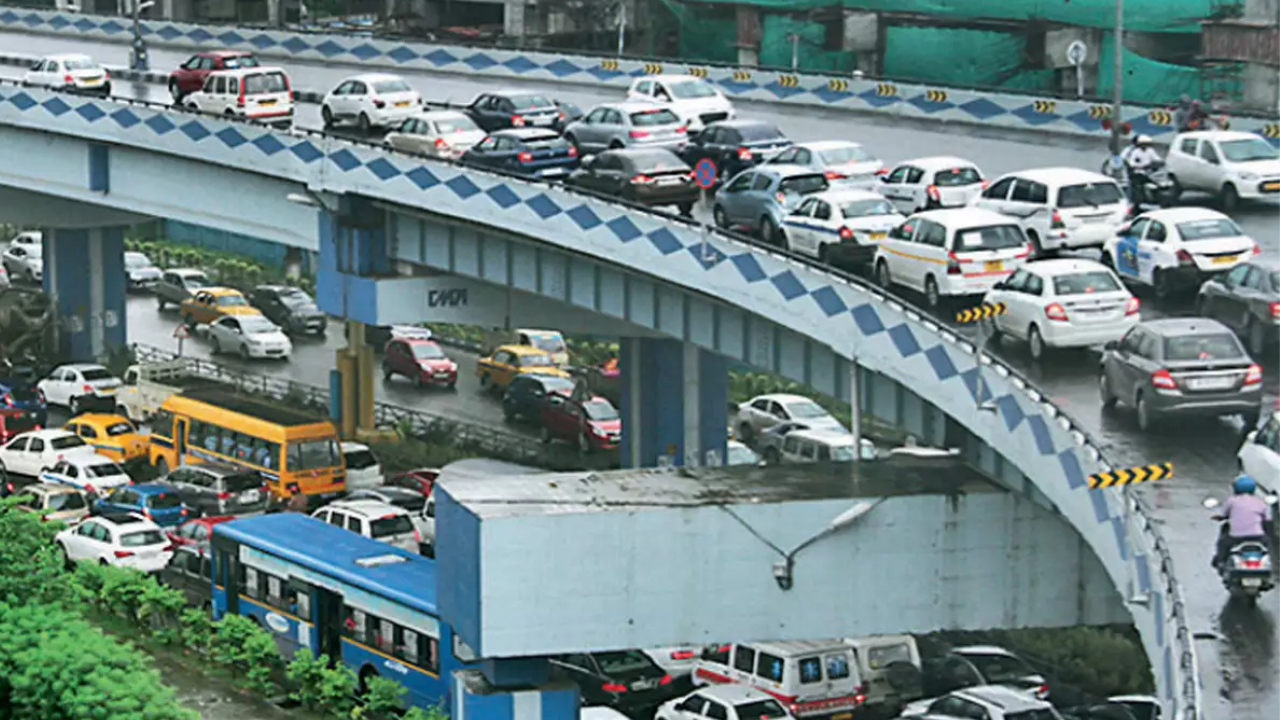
(1158, 185)
(1246, 571)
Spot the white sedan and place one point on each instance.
(1065, 303)
(117, 539)
(253, 336)
(24, 262)
(79, 385)
(70, 72)
(930, 183)
(1177, 247)
(728, 702)
(370, 100)
(840, 226)
(765, 411)
(31, 452)
(90, 473)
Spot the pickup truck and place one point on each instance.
(147, 386)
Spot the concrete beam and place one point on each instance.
(22, 207)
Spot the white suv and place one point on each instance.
(1059, 207)
(1231, 165)
(121, 539)
(257, 93)
(695, 100)
(994, 702)
(373, 519)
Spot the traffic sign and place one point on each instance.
(181, 332)
(704, 173)
(981, 312)
(1077, 51)
(1129, 476)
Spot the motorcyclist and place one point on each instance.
(1247, 517)
(1139, 159)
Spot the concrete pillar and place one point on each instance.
(275, 18)
(675, 403)
(476, 695)
(84, 275)
(513, 18)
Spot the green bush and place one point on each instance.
(31, 565)
(318, 686)
(197, 629)
(411, 453)
(383, 700)
(248, 651)
(417, 713)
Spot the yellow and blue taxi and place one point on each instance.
(111, 435)
(209, 304)
(498, 369)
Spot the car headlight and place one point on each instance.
(1248, 177)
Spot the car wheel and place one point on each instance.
(1257, 335)
(769, 232)
(75, 406)
(932, 296)
(217, 345)
(31, 276)
(990, 329)
(66, 557)
(784, 242)
(244, 351)
(1109, 398)
(883, 278)
(162, 467)
(103, 562)
(1036, 247)
(189, 321)
(1035, 342)
(1161, 285)
(1229, 198)
(1250, 420)
(1146, 420)
(721, 219)
(174, 91)
(545, 435)
(1174, 193)
(686, 209)
(1203, 306)
(160, 304)
(386, 373)
(326, 116)
(771, 456)
(615, 145)
(486, 383)
(584, 444)
(418, 382)
(1108, 261)
(573, 141)
(508, 412)
(746, 433)
(824, 254)
(364, 124)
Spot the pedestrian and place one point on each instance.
(297, 501)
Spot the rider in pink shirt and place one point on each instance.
(1247, 517)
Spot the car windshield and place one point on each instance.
(120, 428)
(195, 282)
(1090, 195)
(257, 326)
(1218, 346)
(957, 177)
(805, 409)
(387, 87)
(1085, 283)
(1275, 279)
(842, 453)
(623, 662)
(296, 298)
(846, 154)
(313, 455)
(741, 455)
(535, 360)
(881, 656)
(999, 669)
(66, 501)
(761, 132)
(455, 125)
(244, 61)
(546, 142)
(427, 351)
(389, 525)
(140, 539)
(803, 184)
(102, 470)
(93, 374)
(164, 501)
(239, 482)
(1041, 714)
(867, 208)
(762, 710)
(135, 260)
(531, 102)
(80, 64)
(231, 301)
(34, 252)
(20, 391)
(359, 460)
(19, 423)
(1209, 229)
(658, 116)
(263, 83)
(600, 410)
(1249, 150)
(66, 443)
(691, 89)
(548, 342)
(994, 237)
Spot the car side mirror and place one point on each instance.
(1111, 345)
(588, 160)
(883, 178)
(1252, 437)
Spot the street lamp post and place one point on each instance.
(138, 59)
(1117, 81)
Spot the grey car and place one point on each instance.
(759, 199)
(190, 571)
(179, 284)
(213, 489)
(846, 164)
(1181, 367)
(620, 125)
(1246, 299)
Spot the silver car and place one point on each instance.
(633, 124)
(846, 164)
(445, 134)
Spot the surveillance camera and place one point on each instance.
(782, 574)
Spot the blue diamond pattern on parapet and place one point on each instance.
(479, 61)
(440, 57)
(365, 52)
(1100, 510)
(345, 160)
(707, 255)
(90, 112)
(231, 137)
(1011, 411)
(262, 42)
(125, 118)
(520, 64)
(503, 196)
(268, 144)
(167, 33)
(193, 130)
(978, 388)
(665, 241)
(59, 22)
(383, 169)
(941, 361)
(562, 68)
(159, 124)
(329, 48)
(924, 104)
(585, 217)
(402, 54)
(829, 301)
(788, 285)
(904, 340)
(748, 267)
(24, 102)
(829, 96)
(1071, 468)
(33, 20)
(876, 100)
(199, 35)
(423, 178)
(543, 206)
(781, 92)
(296, 45)
(84, 25)
(8, 17)
(306, 152)
(1029, 115)
(231, 37)
(983, 109)
(56, 107)
(867, 319)
(1040, 431)
(623, 228)
(462, 186)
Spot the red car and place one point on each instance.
(197, 531)
(593, 423)
(420, 360)
(421, 479)
(14, 422)
(190, 75)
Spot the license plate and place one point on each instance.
(93, 81)
(1210, 383)
(403, 104)
(250, 496)
(1271, 186)
(553, 172)
(843, 716)
(542, 120)
(1223, 260)
(264, 103)
(643, 684)
(108, 391)
(877, 236)
(993, 265)
(1251, 582)
(442, 376)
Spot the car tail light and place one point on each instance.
(860, 694)
(525, 157)
(417, 536)
(883, 171)
(833, 175)
(953, 264)
(146, 513)
(1253, 376)
(1162, 379)
(666, 680)
(106, 75)
(69, 80)
(637, 134)
(1257, 249)
(40, 393)
(641, 179)
(682, 655)
(88, 388)
(846, 233)
(1132, 307)
(1027, 252)
(933, 193)
(183, 512)
(1056, 221)
(441, 144)
(1184, 258)
(573, 151)
(1275, 313)
(744, 153)
(613, 688)
(8, 400)
(288, 87)
(1056, 312)
(517, 121)
(123, 554)
(1042, 692)
(90, 488)
(8, 487)
(1252, 564)
(985, 184)
(682, 130)
(240, 96)
(379, 104)
(780, 197)
(170, 547)
(224, 496)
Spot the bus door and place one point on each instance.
(305, 608)
(226, 574)
(180, 440)
(328, 614)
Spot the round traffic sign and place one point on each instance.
(1077, 51)
(704, 173)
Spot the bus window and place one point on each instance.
(313, 455)
(408, 650)
(386, 636)
(355, 624)
(162, 424)
(251, 587)
(228, 445)
(275, 596)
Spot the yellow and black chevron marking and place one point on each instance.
(935, 96)
(653, 68)
(1045, 107)
(1129, 476)
(610, 65)
(788, 81)
(838, 85)
(698, 72)
(1160, 117)
(1271, 130)
(1100, 112)
(741, 76)
(981, 312)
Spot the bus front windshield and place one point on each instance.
(313, 455)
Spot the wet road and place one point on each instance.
(1239, 671)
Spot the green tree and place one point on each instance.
(384, 699)
(417, 713)
(31, 564)
(243, 647)
(320, 686)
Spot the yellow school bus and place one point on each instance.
(286, 445)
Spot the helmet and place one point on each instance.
(1142, 140)
(1245, 484)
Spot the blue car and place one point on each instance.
(760, 198)
(19, 394)
(157, 502)
(534, 152)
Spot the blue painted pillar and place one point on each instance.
(675, 403)
(84, 275)
(475, 698)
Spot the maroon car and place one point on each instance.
(422, 480)
(420, 360)
(590, 422)
(190, 75)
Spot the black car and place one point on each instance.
(626, 680)
(1246, 299)
(531, 152)
(290, 308)
(515, 109)
(526, 393)
(190, 571)
(649, 176)
(735, 145)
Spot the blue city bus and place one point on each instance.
(339, 594)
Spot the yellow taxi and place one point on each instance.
(498, 370)
(209, 304)
(111, 435)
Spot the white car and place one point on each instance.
(677, 661)
(262, 94)
(737, 453)
(1067, 303)
(931, 183)
(991, 702)
(77, 386)
(1177, 248)
(25, 262)
(142, 273)
(364, 470)
(765, 411)
(1230, 165)
(840, 226)
(439, 133)
(252, 336)
(1259, 456)
(31, 452)
(374, 519)
(950, 253)
(77, 73)
(27, 238)
(723, 702)
(1059, 207)
(695, 100)
(807, 446)
(120, 539)
(89, 473)
(370, 100)
(846, 164)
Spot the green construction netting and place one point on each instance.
(703, 31)
(1146, 81)
(959, 58)
(776, 47)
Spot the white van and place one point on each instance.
(890, 669)
(1059, 207)
(263, 94)
(813, 678)
(373, 519)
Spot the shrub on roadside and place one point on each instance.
(245, 649)
(320, 687)
(31, 566)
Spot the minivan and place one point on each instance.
(813, 678)
(263, 94)
(1059, 208)
(890, 669)
(211, 489)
